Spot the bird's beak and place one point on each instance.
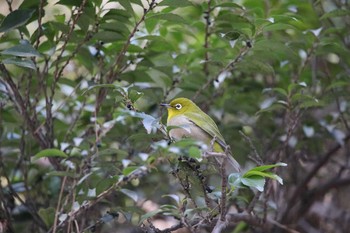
(165, 105)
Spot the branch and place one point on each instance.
(116, 67)
(303, 185)
(40, 28)
(308, 199)
(172, 228)
(58, 72)
(229, 67)
(257, 158)
(74, 214)
(206, 39)
(21, 107)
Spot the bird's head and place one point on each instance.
(180, 106)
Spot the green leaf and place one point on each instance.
(62, 174)
(311, 103)
(127, 5)
(149, 122)
(335, 13)
(73, 2)
(128, 170)
(15, 19)
(266, 167)
(229, 5)
(47, 215)
(168, 17)
(120, 89)
(176, 3)
(22, 50)
(185, 142)
(272, 108)
(133, 195)
(257, 182)
(337, 84)
(263, 174)
(175, 197)
(256, 67)
(20, 62)
(108, 36)
(277, 26)
(134, 95)
(50, 153)
(195, 152)
(150, 215)
(281, 91)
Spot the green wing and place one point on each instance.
(205, 122)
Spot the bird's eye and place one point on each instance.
(178, 106)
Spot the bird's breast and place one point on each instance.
(186, 128)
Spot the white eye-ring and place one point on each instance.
(178, 106)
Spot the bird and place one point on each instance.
(186, 120)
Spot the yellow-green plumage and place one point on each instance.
(192, 122)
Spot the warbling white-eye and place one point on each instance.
(192, 122)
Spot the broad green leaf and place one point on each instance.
(175, 197)
(50, 153)
(337, 84)
(266, 167)
(121, 16)
(149, 122)
(277, 26)
(295, 86)
(47, 215)
(113, 151)
(133, 195)
(128, 170)
(263, 174)
(194, 152)
(118, 88)
(22, 50)
(116, 27)
(257, 182)
(281, 91)
(272, 108)
(127, 5)
(62, 174)
(15, 19)
(229, 5)
(168, 17)
(27, 63)
(256, 66)
(311, 103)
(105, 184)
(73, 2)
(150, 214)
(177, 3)
(108, 36)
(185, 143)
(335, 13)
(134, 95)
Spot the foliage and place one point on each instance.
(83, 144)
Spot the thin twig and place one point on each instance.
(229, 67)
(116, 66)
(142, 171)
(21, 108)
(57, 211)
(40, 28)
(302, 186)
(256, 157)
(206, 39)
